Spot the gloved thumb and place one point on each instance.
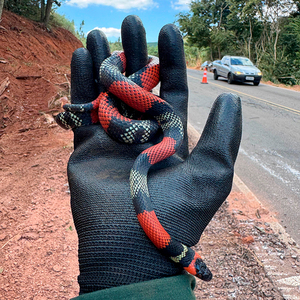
(220, 140)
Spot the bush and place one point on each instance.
(28, 8)
(58, 20)
(153, 50)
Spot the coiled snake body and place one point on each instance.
(134, 91)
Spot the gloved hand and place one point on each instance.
(186, 190)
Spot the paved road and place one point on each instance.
(269, 157)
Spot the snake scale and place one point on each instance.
(134, 91)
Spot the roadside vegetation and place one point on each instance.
(267, 32)
(117, 46)
(43, 11)
(37, 10)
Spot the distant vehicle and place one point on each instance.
(213, 65)
(237, 68)
(205, 65)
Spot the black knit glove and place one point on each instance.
(186, 190)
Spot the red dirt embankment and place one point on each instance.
(38, 242)
(36, 63)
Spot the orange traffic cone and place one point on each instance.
(204, 79)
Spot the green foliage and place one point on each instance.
(31, 10)
(266, 32)
(152, 50)
(194, 56)
(116, 46)
(58, 20)
(80, 34)
(152, 44)
(36, 10)
(205, 16)
(27, 8)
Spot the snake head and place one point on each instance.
(202, 271)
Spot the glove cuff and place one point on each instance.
(174, 287)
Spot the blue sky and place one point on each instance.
(108, 15)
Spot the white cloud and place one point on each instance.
(110, 31)
(181, 4)
(119, 4)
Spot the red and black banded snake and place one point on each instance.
(134, 91)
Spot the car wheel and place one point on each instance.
(230, 78)
(256, 83)
(216, 76)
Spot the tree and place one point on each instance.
(42, 10)
(37, 10)
(205, 24)
(47, 12)
(243, 21)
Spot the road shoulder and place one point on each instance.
(251, 254)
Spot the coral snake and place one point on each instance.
(134, 91)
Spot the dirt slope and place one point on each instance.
(38, 242)
(36, 63)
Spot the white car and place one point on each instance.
(237, 68)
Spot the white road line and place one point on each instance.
(293, 281)
(291, 174)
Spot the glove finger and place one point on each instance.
(134, 44)
(83, 86)
(98, 46)
(219, 143)
(173, 76)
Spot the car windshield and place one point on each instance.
(241, 61)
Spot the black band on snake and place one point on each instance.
(134, 91)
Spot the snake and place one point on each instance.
(135, 93)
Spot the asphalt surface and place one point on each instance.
(269, 160)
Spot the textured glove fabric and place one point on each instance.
(186, 190)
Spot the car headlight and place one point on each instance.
(259, 73)
(238, 73)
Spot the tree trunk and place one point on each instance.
(47, 12)
(42, 10)
(250, 40)
(1, 8)
(275, 45)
